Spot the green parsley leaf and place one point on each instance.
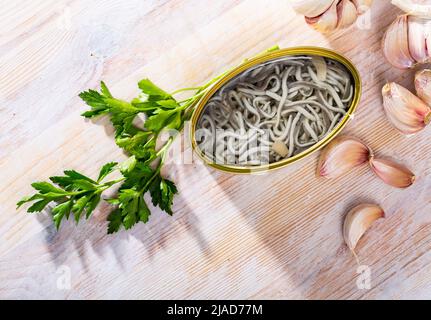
(105, 90)
(135, 144)
(162, 193)
(168, 104)
(38, 206)
(144, 212)
(151, 89)
(79, 206)
(96, 101)
(92, 204)
(128, 165)
(60, 211)
(106, 169)
(45, 187)
(26, 199)
(162, 119)
(76, 193)
(115, 221)
(121, 112)
(84, 185)
(75, 175)
(137, 177)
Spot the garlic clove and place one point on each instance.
(311, 8)
(341, 155)
(321, 67)
(326, 22)
(358, 221)
(392, 173)
(405, 111)
(280, 148)
(347, 13)
(362, 5)
(396, 44)
(414, 7)
(423, 88)
(417, 40)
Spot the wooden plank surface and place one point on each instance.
(267, 236)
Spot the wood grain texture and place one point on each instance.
(267, 236)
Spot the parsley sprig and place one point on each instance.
(76, 194)
(73, 193)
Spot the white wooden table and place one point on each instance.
(270, 236)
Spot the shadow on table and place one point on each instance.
(89, 237)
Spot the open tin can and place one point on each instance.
(267, 58)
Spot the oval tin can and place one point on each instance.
(267, 57)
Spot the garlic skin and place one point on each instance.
(358, 221)
(392, 173)
(405, 111)
(341, 155)
(423, 88)
(414, 7)
(329, 15)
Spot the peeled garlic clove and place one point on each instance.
(392, 173)
(405, 111)
(396, 44)
(326, 22)
(423, 88)
(417, 40)
(280, 148)
(359, 220)
(311, 8)
(347, 13)
(321, 67)
(341, 155)
(362, 5)
(414, 7)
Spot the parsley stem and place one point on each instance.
(161, 153)
(109, 184)
(202, 90)
(147, 185)
(185, 89)
(190, 101)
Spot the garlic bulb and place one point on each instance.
(328, 15)
(423, 88)
(358, 221)
(341, 155)
(414, 7)
(393, 174)
(407, 41)
(405, 111)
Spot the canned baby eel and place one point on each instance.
(267, 59)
